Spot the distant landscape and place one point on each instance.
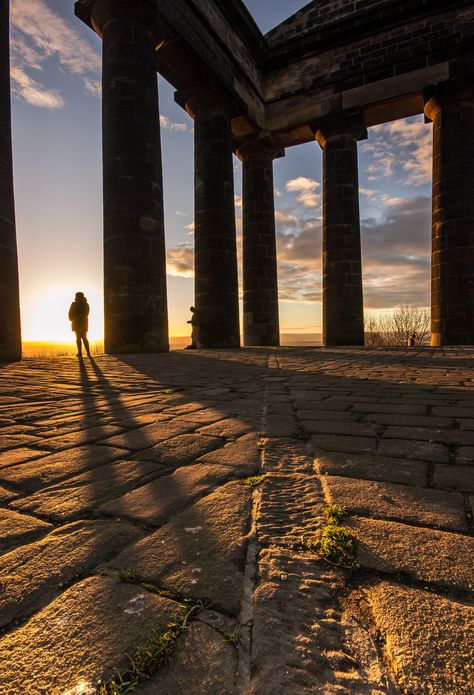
(52, 349)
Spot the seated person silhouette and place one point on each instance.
(411, 342)
(79, 317)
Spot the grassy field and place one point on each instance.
(52, 349)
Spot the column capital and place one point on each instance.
(208, 99)
(260, 144)
(346, 125)
(447, 94)
(98, 13)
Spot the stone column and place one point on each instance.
(343, 311)
(260, 279)
(134, 243)
(10, 332)
(452, 279)
(216, 281)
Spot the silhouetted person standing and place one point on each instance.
(79, 317)
(194, 326)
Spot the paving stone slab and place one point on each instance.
(429, 639)
(201, 551)
(410, 420)
(373, 467)
(156, 501)
(428, 555)
(81, 638)
(229, 427)
(83, 494)
(201, 664)
(424, 451)
(454, 478)
(356, 429)
(145, 437)
(431, 434)
(82, 436)
(33, 574)
(244, 453)
(355, 445)
(18, 528)
(32, 475)
(180, 450)
(11, 441)
(421, 506)
(299, 644)
(14, 456)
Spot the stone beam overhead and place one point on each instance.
(376, 57)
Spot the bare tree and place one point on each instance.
(395, 328)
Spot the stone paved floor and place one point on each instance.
(122, 492)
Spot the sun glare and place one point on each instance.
(45, 314)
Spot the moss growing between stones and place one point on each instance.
(336, 544)
(153, 654)
(233, 637)
(253, 480)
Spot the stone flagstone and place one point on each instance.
(83, 637)
(34, 574)
(201, 551)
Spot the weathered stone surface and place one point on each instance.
(299, 644)
(373, 468)
(156, 501)
(428, 639)
(424, 451)
(243, 453)
(454, 478)
(33, 574)
(399, 502)
(355, 445)
(201, 551)
(180, 450)
(229, 427)
(201, 664)
(30, 476)
(84, 493)
(10, 458)
(145, 437)
(18, 528)
(428, 555)
(465, 454)
(81, 437)
(100, 621)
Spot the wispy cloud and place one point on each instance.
(306, 189)
(39, 35)
(180, 261)
(167, 124)
(401, 150)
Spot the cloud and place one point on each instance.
(306, 189)
(180, 261)
(396, 252)
(168, 124)
(401, 149)
(39, 35)
(33, 92)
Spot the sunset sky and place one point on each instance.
(57, 157)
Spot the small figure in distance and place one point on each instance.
(411, 342)
(79, 317)
(194, 328)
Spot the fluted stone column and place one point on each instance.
(10, 332)
(260, 278)
(452, 281)
(216, 281)
(343, 312)
(134, 243)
